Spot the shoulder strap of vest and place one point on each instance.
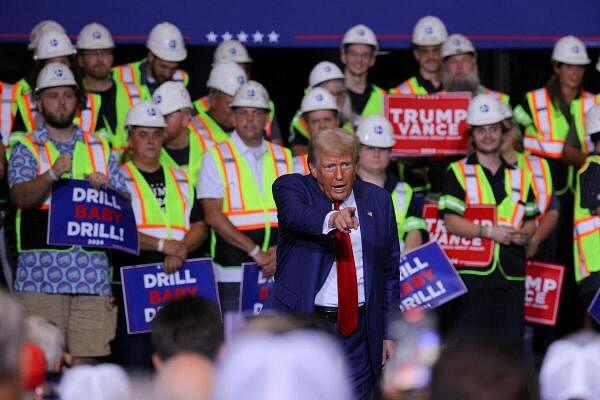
(473, 190)
(98, 152)
(88, 115)
(541, 110)
(199, 130)
(230, 168)
(127, 73)
(280, 159)
(6, 109)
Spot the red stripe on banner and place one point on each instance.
(474, 37)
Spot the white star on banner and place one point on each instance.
(242, 37)
(273, 37)
(226, 36)
(257, 36)
(211, 37)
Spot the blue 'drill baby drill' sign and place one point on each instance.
(83, 215)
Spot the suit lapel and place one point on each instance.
(367, 230)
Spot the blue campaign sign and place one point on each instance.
(146, 288)
(83, 215)
(314, 23)
(255, 291)
(594, 308)
(427, 278)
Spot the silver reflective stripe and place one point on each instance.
(278, 155)
(199, 129)
(6, 119)
(471, 184)
(232, 179)
(543, 112)
(401, 195)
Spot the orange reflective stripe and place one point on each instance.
(205, 125)
(204, 102)
(479, 191)
(273, 158)
(133, 94)
(410, 87)
(237, 168)
(37, 151)
(29, 111)
(127, 74)
(138, 192)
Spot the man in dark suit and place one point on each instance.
(338, 253)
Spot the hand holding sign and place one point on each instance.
(266, 261)
(62, 165)
(98, 179)
(172, 264)
(175, 248)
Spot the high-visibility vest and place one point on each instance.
(541, 182)
(503, 97)
(90, 155)
(547, 128)
(150, 218)
(401, 198)
(300, 164)
(8, 109)
(85, 118)
(247, 207)
(374, 105)
(130, 73)
(409, 86)
(478, 191)
(199, 141)
(126, 96)
(212, 128)
(586, 232)
(202, 105)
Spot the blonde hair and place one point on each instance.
(335, 142)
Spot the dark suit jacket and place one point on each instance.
(305, 255)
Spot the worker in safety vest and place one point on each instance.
(184, 143)
(95, 59)
(542, 246)
(376, 137)
(235, 188)
(52, 46)
(223, 82)
(169, 219)
(68, 285)
(326, 75)
(166, 50)
(428, 36)
(493, 305)
(459, 74)
(358, 51)
(319, 111)
(236, 52)
(586, 224)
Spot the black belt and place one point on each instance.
(330, 314)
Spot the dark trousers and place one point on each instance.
(229, 296)
(132, 352)
(358, 359)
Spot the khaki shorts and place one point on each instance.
(87, 322)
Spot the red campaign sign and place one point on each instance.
(429, 125)
(463, 252)
(543, 285)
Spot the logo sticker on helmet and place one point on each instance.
(484, 108)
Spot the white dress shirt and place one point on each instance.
(210, 185)
(327, 296)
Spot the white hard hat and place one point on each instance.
(231, 51)
(166, 42)
(570, 369)
(506, 110)
(54, 74)
(94, 36)
(170, 97)
(360, 34)
(457, 44)
(376, 131)
(53, 44)
(251, 94)
(484, 109)
(598, 65)
(323, 72)
(570, 50)
(429, 31)
(318, 99)
(226, 77)
(592, 120)
(41, 27)
(95, 382)
(146, 114)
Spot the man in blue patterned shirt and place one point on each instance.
(67, 285)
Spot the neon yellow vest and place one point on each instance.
(541, 182)
(586, 231)
(401, 198)
(509, 212)
(173, 222)
(130, 73)
(90, 155)
(410, 86)
(374, 105)
(247, 207)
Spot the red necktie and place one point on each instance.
(346, 282)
